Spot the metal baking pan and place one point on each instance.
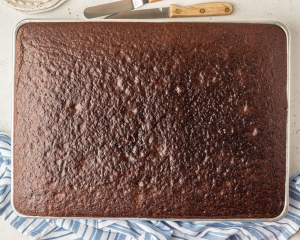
(282, 26)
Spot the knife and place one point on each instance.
(114, 7)
(173, 11)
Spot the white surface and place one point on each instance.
(286, 11)
(33, 6)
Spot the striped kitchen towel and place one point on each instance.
(148, 230)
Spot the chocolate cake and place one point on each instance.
(150, 120)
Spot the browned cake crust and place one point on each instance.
(153, 120)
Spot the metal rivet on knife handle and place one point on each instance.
(226, 9)
(178, 11)
(202, 10)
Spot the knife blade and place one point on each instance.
(173, 11)
(114, 7)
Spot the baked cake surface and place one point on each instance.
(152, 120)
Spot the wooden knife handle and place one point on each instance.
(152, 1)
(201, 10)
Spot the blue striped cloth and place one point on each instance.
(148, 230)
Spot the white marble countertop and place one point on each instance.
(285, 11)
